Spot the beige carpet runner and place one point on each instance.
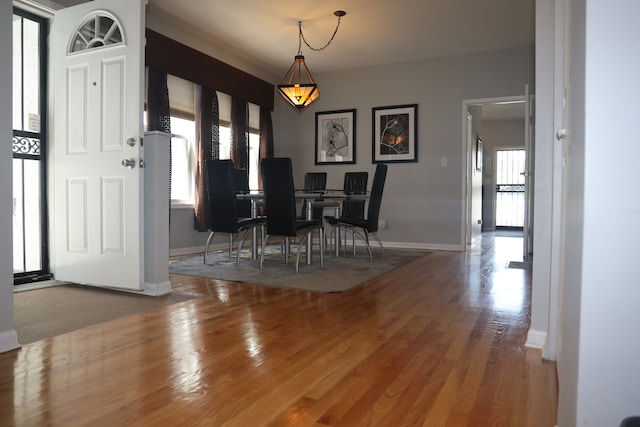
(43, 313)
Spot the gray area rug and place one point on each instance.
(337, 276)
(43, 313)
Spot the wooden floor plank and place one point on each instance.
(439, 341)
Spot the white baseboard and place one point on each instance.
(536, 339)
(425, 246)
(9, 341)
(157, 289)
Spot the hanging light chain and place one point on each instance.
(339, 14)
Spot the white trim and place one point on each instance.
(9, 341)
(426, 246)
(157, 289)
(466, 103)
(536, 339)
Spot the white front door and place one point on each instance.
(97, 52)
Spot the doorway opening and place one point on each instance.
(510, 188)
(498, 123)
(30, 236)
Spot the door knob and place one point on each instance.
(129, 163)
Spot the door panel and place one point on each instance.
(97, 52)
(113, 216)
(77, 213)
(113, 123)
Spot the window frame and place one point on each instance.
(190, 155)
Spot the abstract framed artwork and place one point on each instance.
(395, 133)
(335, 137)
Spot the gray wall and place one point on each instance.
(183, 238)
(496, 134)
(423, 202)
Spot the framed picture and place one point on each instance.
(335, 137)
(478, 153)
(395, 134)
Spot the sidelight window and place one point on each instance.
(30, 257)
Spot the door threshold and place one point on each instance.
(37, 285)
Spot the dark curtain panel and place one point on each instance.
(240, 133)
(208, 130)
(266, 140)
(158, 115)
(161, 52)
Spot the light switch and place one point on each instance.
(443, 161)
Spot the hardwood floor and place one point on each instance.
(438, 342)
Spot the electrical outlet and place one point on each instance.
(382, 224)
(444, 161)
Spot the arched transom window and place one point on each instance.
(98, 30)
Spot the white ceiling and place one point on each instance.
(373, 31)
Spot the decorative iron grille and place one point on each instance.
(26, 146)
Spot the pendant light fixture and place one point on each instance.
(298, 86)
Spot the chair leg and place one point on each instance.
(206, 247)
(329, 236)
(322, 243)
(240, 244)
(264, 241)
(287, 250)
(353, 241)
(230, 246)
(300, 245)
(344, 247)
(375, 235)
(366, 235)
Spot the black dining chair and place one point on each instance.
(313, 181)
(368, 225)
(355, 183)
(241, 185)
(223, 213)
(280, 207)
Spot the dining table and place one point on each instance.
(314, 199)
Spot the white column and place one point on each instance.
(156, 213)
